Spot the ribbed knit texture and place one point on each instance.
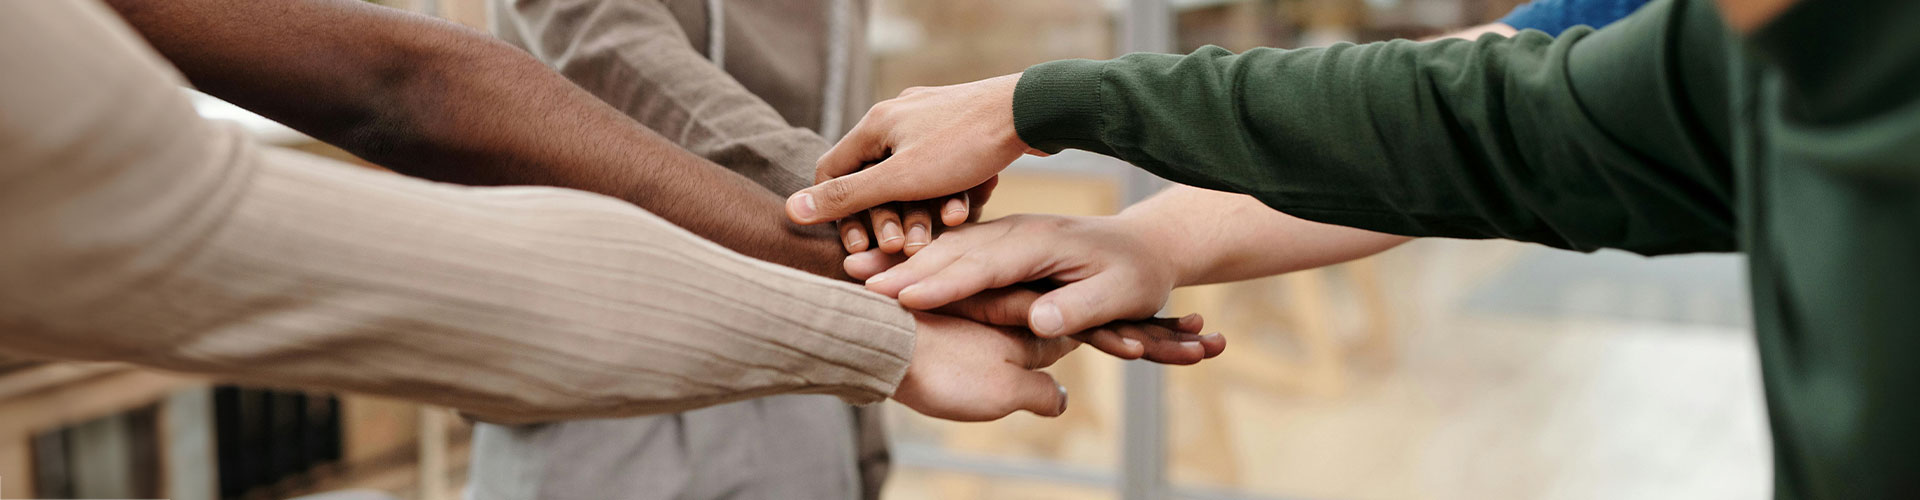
(1059, 105)
(133, 230)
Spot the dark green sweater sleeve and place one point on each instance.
(1589, 140)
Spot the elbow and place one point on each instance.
(412, 111)
(435, 96)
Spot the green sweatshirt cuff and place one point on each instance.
(1059, 105)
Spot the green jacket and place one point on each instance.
(1663, 133)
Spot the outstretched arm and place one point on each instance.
(436, 100)
(1588, 140)
(1117, 267)
(635, 56)
(133, 230)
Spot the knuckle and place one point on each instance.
(884, 109)
(834, 194)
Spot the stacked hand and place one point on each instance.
(1107, 271)
(982, 365)
(941, 149)
(931, 143)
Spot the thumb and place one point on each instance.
(1036, 391)
(842, 196)
(1088, 303)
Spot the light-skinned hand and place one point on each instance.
(928, 143)
(1174, 341)
(1105, 268)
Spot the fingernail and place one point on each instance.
(1211, 336)
(1192, 344)
(1063, 398)
(954, 206)
(855, 237)
(889, 231)
(917, 235)
(1046, 319)
(802, 205)
(909, 290)
(1129, 342)
(877, 278)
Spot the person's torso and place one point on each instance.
(1830, 220)
(769, 448)
(806, 58)
(796, 446)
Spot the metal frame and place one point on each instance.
(1145, 26)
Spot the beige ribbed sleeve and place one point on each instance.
(132, 230)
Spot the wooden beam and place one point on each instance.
(89, 398)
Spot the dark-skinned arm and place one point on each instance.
(433, 99)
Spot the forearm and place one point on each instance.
(137, 232)
(436, 100)
(1223, 237)
(1217, 237)
(1520, 138)
(635, 56)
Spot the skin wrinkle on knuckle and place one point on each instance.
(831, 194)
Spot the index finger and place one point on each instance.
(895, 178)
(863, 145)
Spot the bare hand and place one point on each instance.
(1174, 341)
(966, 371)
(1107, 270)
(930, 142)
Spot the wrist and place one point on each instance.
(1057, 105)
(1005, 91)
(1167, 246)
(817, 249)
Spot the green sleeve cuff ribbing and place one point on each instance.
(1059, 105)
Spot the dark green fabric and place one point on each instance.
(1663, 133)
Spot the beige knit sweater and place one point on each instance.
(133, 230)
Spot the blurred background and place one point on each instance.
(1442, 369)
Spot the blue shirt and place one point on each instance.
(1554, 16)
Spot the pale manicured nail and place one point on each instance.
(877, 278)
(802, 205)
(889, 231)
(954, 206)
(917, 236)
(1130, 342)
(909, 290)
(855, 237)
(1046, 319)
